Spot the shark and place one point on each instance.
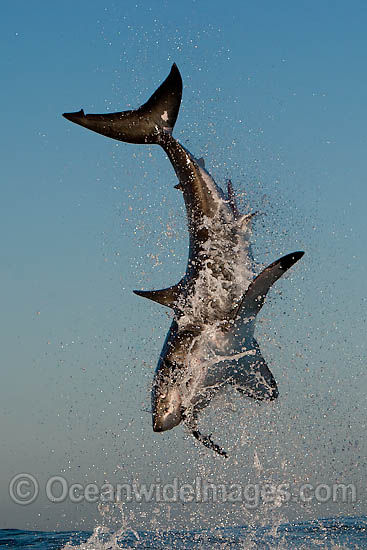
(210, 344)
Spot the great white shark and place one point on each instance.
(211, 343)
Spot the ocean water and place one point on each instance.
(331, 533)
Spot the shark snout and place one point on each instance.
(169, 421)
(168, 411)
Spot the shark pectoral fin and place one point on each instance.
(255, 295)
(166, 297)
(253, 377)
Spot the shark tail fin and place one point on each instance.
(142, 125)
(255, 295)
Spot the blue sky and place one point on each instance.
(274, 97)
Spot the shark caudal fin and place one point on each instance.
(142, 125)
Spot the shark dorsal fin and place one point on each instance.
(255, 295)
(165, 297)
